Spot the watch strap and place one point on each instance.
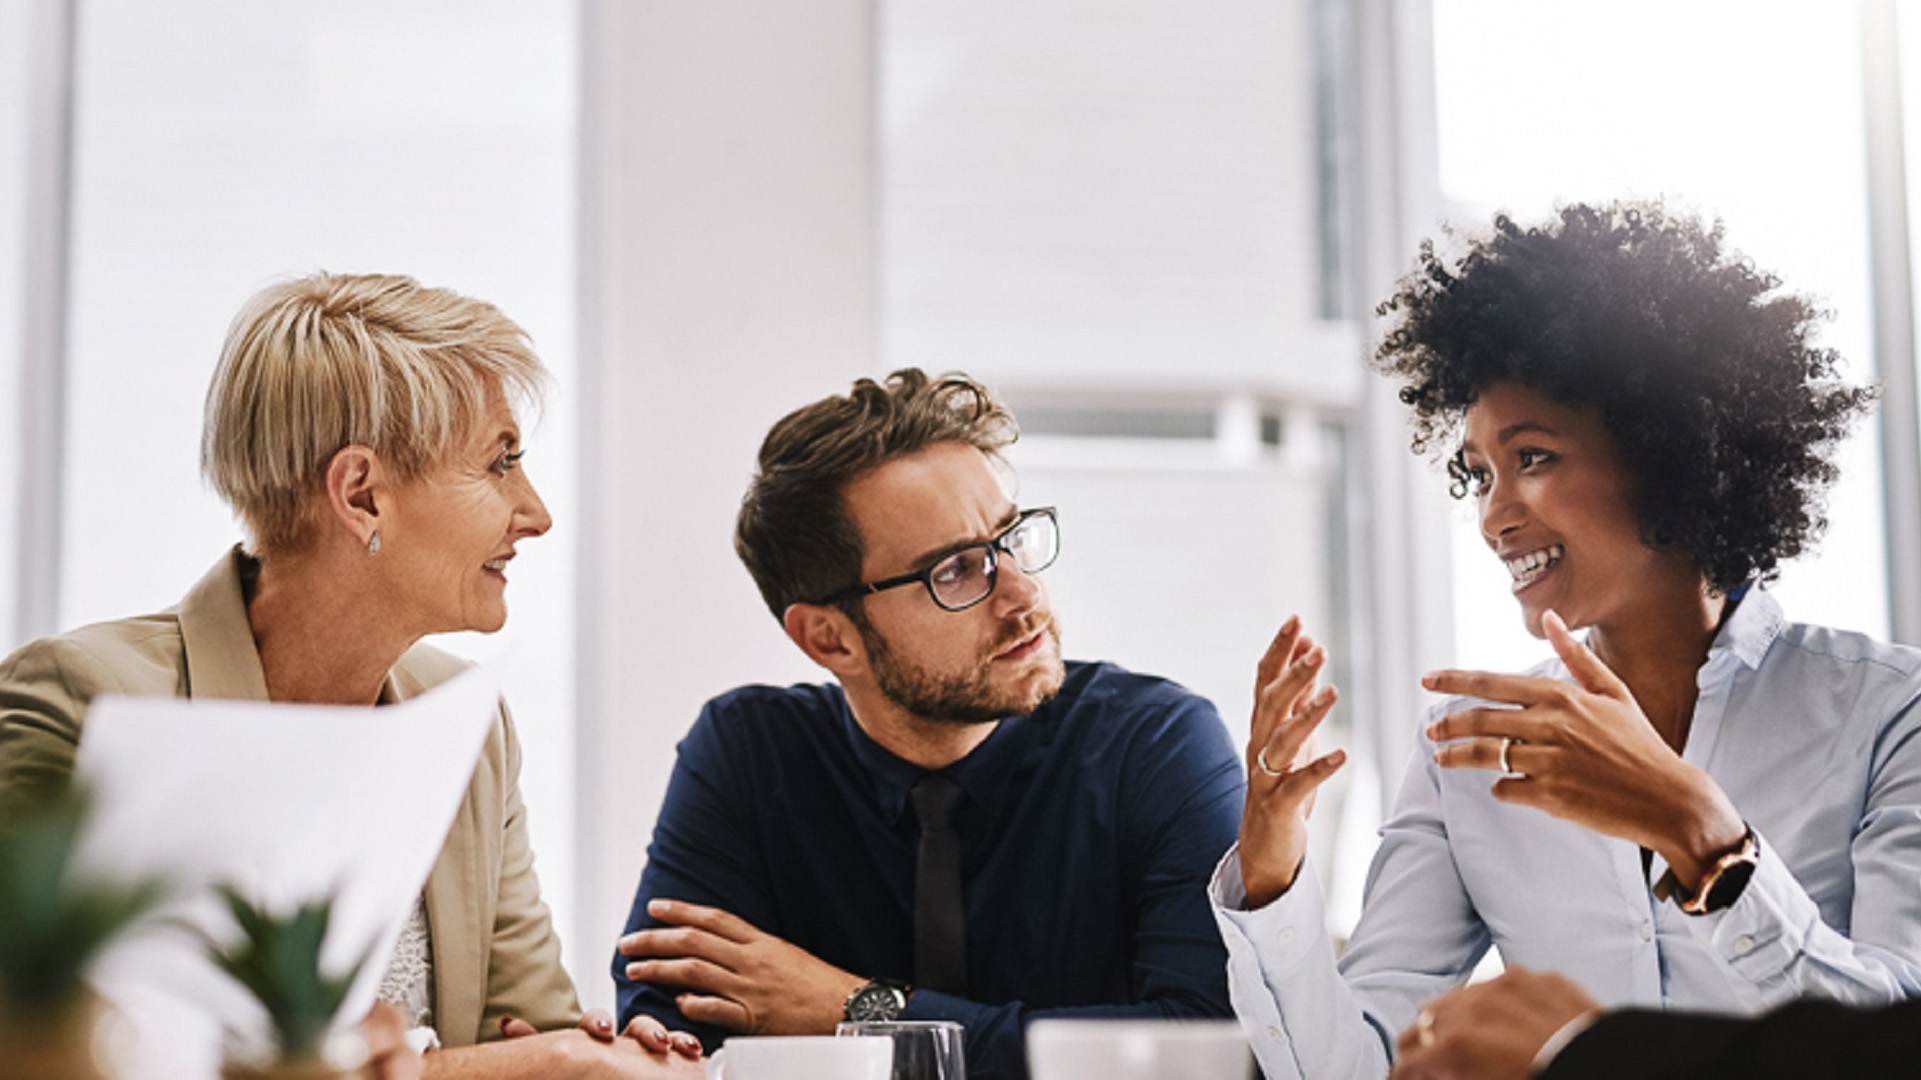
(893, 991)
(1723, 883)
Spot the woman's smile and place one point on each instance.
(1557, 508)
(1530, 568)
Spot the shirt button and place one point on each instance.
(1744, 945)
(1647, 929)
(1286, 935)
(1273, 1032)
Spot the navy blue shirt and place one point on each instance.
(1088, 833)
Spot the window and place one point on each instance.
(1751, 117)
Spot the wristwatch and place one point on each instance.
(1724, 882)
(881, 999)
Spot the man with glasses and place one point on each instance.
(960, 827)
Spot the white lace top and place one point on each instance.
(408, 983)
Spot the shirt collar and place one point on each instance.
(1749, 631)
(983, 774)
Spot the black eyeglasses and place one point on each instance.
(964, 578)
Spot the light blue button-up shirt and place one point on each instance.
(1815, 735)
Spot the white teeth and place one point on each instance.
(495, 564)
(1526, 566)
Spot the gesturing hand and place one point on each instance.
(1489, 1031)
(1584, 751)
(736, 976)
(1282, 773)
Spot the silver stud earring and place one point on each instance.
(373, 543)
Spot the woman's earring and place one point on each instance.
(373, 543)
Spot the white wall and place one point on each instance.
(727, 276)
(1787, 179)
(222, 144)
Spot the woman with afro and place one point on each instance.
(1702, 805)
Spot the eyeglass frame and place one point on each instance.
(996, 547)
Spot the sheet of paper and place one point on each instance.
(287, 803)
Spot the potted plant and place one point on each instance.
(277, 958)
(53, 923)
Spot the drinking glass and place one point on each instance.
(923, 1049)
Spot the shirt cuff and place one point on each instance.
(925, 1004)
(1284, 932)
(1765, 931)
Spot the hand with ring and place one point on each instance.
(1584, 751)
(1507, 769)
(1282, 772)
(1422, 1032)
(1489, 1031)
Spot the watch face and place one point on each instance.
(1729, 886)
(876, 1002)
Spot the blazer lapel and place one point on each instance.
(222, 661)
(459, 982)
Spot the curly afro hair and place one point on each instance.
(1703, 372)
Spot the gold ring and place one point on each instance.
(1260, 762)
(1424, 1028)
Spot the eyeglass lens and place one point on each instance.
(966, 577)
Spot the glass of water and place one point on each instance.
(923, 1049)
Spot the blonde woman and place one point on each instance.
(364, 430)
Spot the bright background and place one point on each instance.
(1158, 226)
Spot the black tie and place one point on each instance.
(940, 925)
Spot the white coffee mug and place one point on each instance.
(802, 1057)
(1138, 1050)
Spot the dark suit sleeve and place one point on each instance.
(1184, 782)
(1808, 1040)
(1182, 790)
(704, 851)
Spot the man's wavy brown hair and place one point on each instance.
(794, 532)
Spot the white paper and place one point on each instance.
(288, 803)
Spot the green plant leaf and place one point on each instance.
(53, 922)
(277, 958)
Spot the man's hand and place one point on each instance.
(1490, 1031)
(1587, 753)
(737, 977)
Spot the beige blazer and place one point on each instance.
(494, 949)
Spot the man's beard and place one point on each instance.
(965, 697)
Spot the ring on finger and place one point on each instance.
(1423, 1028)
(1260, 762)
(1507, 743)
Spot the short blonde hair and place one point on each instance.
(323, 362)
